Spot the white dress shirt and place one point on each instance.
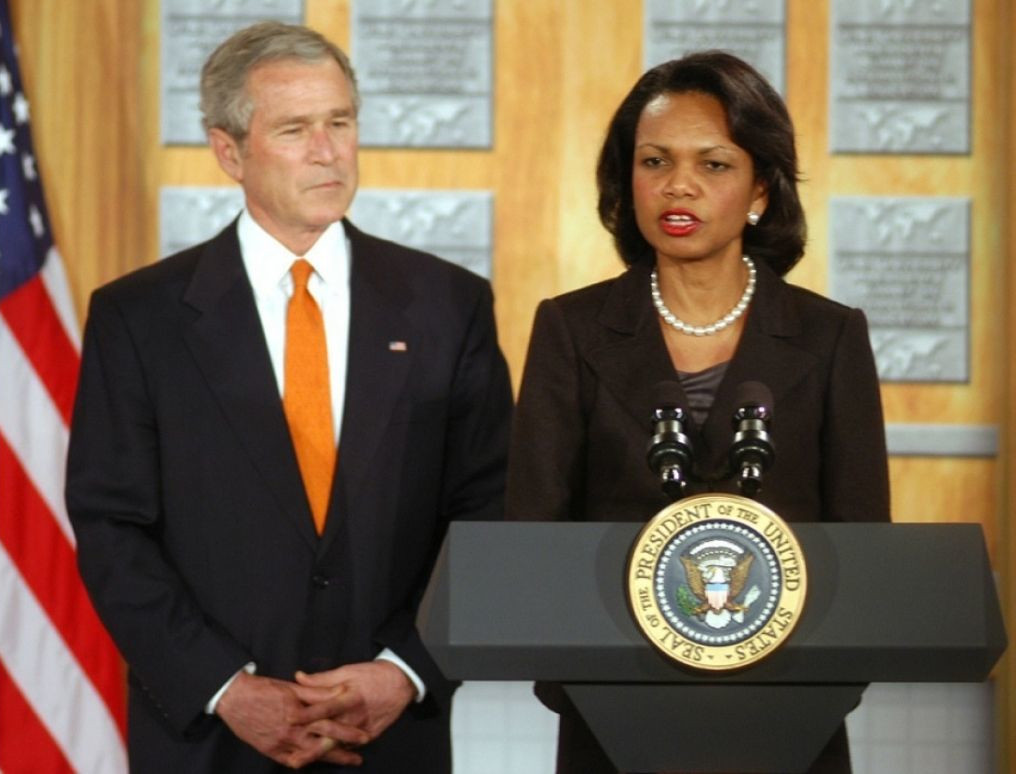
(268, 266)
(268, 263)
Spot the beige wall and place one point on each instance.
(91, 69)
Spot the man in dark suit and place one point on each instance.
(263, 589)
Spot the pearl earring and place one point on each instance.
(753, 218)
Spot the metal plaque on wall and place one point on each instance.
(455, 225)
(900, 76)
(425, 72)
(189, 214)
(906, 262)
(754, 31)
(189, 31)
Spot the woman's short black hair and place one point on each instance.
(758, 122)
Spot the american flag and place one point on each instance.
(61, 680)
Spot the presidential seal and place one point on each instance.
(716, 582)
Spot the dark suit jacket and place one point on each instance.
(582, 423)
(195, 538)
(583, 416)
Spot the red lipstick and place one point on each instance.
(679, 222)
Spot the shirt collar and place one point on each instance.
(268, 262)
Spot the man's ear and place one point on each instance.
(227, 152)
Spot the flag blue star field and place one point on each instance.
(61, 680)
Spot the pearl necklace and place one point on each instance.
(704, 330)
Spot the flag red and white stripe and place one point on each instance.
(61, 680)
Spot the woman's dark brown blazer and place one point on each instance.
(582, 424)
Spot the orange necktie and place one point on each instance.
(306, 396)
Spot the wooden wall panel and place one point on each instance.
(1006, 83)
(79, 62)
(978, 176)
(937, 489)
(602, 59)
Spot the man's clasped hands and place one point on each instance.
(326, 716)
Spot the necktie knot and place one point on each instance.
(301, 271)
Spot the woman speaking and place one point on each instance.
(697, 184)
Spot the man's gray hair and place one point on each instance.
(225, 103)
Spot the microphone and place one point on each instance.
(669, 450)
(752, 452)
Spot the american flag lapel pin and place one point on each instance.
(397, 346)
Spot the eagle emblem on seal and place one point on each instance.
(716, 572)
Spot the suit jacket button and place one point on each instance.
(321, 581)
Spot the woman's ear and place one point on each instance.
(761, 198)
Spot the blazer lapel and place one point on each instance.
(380, 353)
(629, 355)
(227, 342)
(767, 354)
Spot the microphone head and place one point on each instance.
(669, 451)
(754, 395)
